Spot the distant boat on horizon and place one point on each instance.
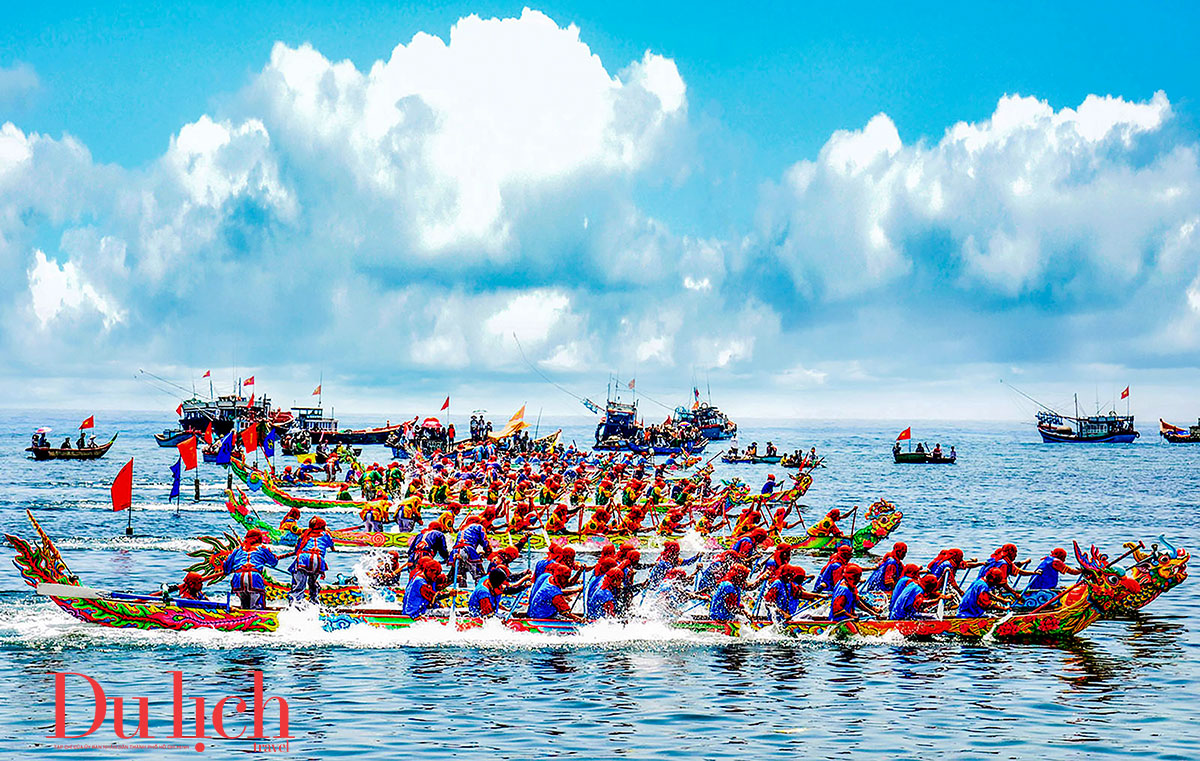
(1111, 428)
(1177, 435)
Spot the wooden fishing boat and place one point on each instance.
(923, 458)
(173, 437)
(1177, 435)
(360, 436)
(83, 453)
(752, 459)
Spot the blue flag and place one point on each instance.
(268, 444)
(225, 453)
(176, 474)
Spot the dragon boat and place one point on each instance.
(1102, 592)
(883, 521)
(258, 480)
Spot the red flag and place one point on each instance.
(251, 402)
(249, 381)
(122, 488)
(1124, 394)
(207, 373)
(317, 390)
(446, 404)
(179, 410)
(250, 439)
(208, 433)
(631, 384)
(89, 423)
(187, 453)
(905, 434)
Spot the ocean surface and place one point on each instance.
(1121, 688)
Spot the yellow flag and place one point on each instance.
(518, 415)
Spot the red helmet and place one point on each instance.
(1059, 553)
(835, 514)
(852, 571)
(899, 550)
(737, 573)
(317, 523)
(995, 576)
(928, 582)
(845, 551)
(911, 571)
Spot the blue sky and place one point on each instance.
(733, 206)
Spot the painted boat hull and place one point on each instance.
(921, 458)
(1050, 437)
(87, 453)
(175, 439)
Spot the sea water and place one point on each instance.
(639, 690)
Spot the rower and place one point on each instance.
(1005, 558)
(245, 565)
(783, 595)
(598, 523)
(846, 600)
(771, 450)
(309, 566)
(911, 573)
(668, 559)
(471, 547)
(827, 526)
(374, 515)
(603, 602)
(1045, 576)
(831, 575)
(485, 600)
(422, 588)
(916, 598)
(946, 565)
(727, 597)
(888, 571)
(408, 514)
(979, 599)
(192, 587)
(289, 527)
(428, 543)
(771, 485)
(550, 599)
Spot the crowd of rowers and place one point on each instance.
(566, 493)
(719, 586)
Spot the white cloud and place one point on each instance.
(18, 83)
(1030, 196)
(531, 316)
(458, 133)
(56, 289)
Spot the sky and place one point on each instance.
(813, 211)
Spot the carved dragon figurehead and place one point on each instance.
(211, 557)
(1109, 588)
(40, 562)
(1154, 571)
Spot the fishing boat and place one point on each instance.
(77, 453)
(922, 457)
(743, 459)
(224, 413)
(1057, 428)
(173, 437)
(1176, 435)
(42, 567)
(713, 424)
(361, 436)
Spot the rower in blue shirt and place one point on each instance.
(309, 565)
(245, 567)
